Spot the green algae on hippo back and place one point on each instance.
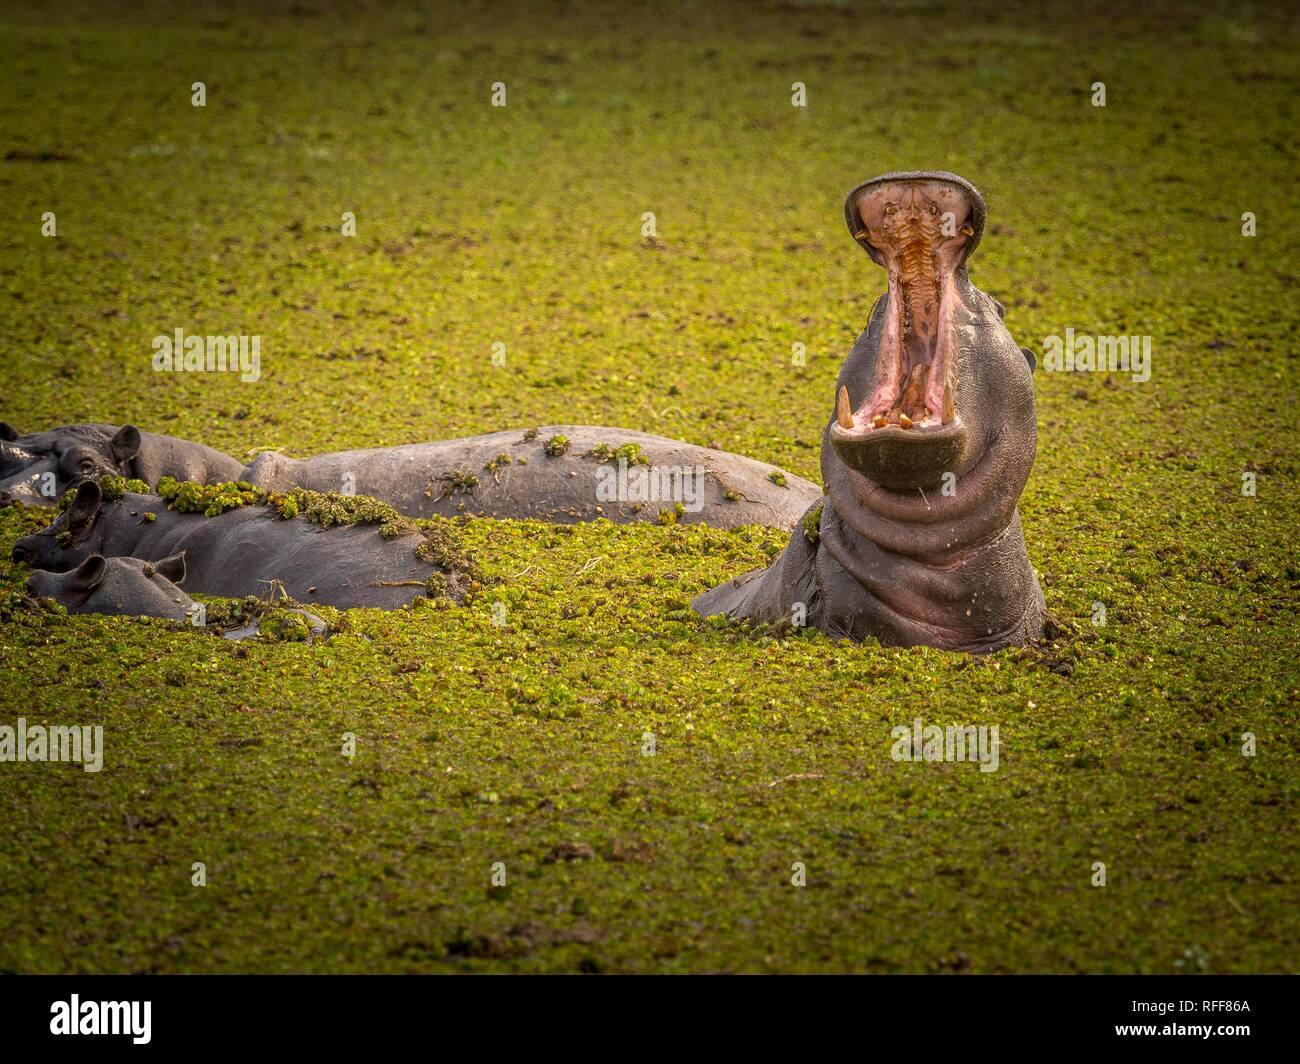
(929, 446)
(557, 473)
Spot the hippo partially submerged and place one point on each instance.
(252, 549)
(919, 540)
(39, 467)
(122, 586)
(559, 473)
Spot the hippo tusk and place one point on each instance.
(843, 411)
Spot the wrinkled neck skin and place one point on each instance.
(941, 518)
(941, 562)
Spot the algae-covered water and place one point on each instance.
(651, 787)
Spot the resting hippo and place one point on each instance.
(560, 473)
(919, 541)
(240, 552)
(75, 453)
(118, 586)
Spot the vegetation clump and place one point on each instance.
(811, 523)
(458, 480)
(111, 488)
(331, 508)
(557, 445)
(281, 625)
(210, 500)
(629, 453)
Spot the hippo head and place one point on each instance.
(24, 470)
(934, 417)
(71, 538)
(46, 464)
(126, 586)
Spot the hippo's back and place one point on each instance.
(557, 473)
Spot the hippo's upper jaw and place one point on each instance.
(901, 426)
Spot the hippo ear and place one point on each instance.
(7, 431)
(172, 568)
(125, 443)
(81, 514)
(1030, 358)
(86, 576)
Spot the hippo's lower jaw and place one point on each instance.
(903, 459)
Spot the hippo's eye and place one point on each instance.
(891, 208)
(932, 208)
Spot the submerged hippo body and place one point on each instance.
(245, 551)
(40, 466)
(123, 586)
(918, 541)
(469, 476)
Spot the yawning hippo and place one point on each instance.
(918, 541)
(560, 473)
(246, 551)
(125, 586)
(39, 467)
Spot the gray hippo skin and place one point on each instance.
(124, 586)
(74, 453)
(238, 553)
(421, 479)
(903, 552)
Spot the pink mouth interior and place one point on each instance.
(919, 231)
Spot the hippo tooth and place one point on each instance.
(843, 411)
(949, 404)
(879, 421)
(905, 421)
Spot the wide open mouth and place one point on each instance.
(919, 230)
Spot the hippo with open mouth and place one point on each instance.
(40, 466)
(918, 541)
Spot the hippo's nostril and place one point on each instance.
(21, 553)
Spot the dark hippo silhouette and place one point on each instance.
(74, 453)
(515, 475)
(241, 552)
(919, 540)
(126, 586)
